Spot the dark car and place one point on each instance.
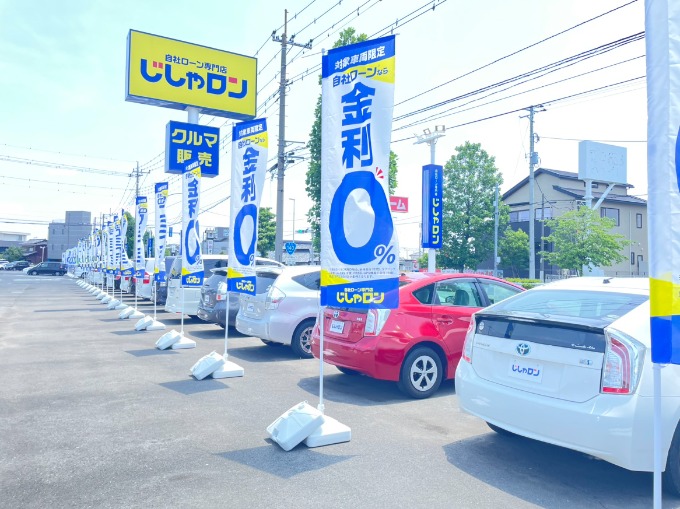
(18, 265)
(55, 268)
(161, 289)
(213, 302)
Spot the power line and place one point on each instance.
(61, 166)
(516, 52)
(589, 139)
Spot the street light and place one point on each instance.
(42, 258)
(293, 200)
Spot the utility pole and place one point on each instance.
(278, 247)
(495, 233)
(533, 160)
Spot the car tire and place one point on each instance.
(500, 431)
(348, 371)
(302, 339)
(671, 476)
(33, 273)
(421, 373)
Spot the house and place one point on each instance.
(557, 192)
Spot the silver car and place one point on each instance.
(286, 314)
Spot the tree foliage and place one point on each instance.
(266, 231)
(513, 248)
(13, 253)
(313, 178)
(582, 238)
(470, 178)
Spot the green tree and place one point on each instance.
(513, 248)
(582, 238)
(266, 231)
(313, 179)
(470, 179)
(13, 254)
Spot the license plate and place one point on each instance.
(528, 371)
(250, 307)
(337, 326)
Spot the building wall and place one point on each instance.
(13, 236)
(63, 235)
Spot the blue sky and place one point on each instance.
(62, 80)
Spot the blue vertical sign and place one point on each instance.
(432, 206)
(185, 143)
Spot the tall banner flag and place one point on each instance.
(111, 262)
(663, 167)
(140, 227)
(161, 192)
(118, 246)
(359, 265)
(192, 261)
(127, 268)
(248, 166)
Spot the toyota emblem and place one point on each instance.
(523, 349)
(336, 314)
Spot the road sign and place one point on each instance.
(398, 203)
(290, 247)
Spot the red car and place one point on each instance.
(418, 344)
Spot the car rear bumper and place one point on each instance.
(364, 356)
(615, 428)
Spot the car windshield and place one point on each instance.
(607, 306)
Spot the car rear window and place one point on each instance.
(310, 280)
(607, 306)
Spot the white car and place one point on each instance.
(569, 363)
(287, 313)
(143, 286)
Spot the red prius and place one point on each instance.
(418, 344)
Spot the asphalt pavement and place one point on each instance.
(92, 415)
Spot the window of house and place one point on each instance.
(610, 213)
(543, 213)
(632, 258)
(638, 220)
(517, 216)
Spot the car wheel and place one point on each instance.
(500, 430)
(33, 273)
(55, 273)
(671, 476)
(302, 339)
(270, 343)
(421, 373)
(348, 371)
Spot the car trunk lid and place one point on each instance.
(539, 356)
(344, 324)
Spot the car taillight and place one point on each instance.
(147, 278)
(221, 291)
(375, 321)
(622, 364)
(274, 298)
(469, 340)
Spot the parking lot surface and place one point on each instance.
(92, 415)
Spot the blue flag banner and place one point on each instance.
(248, 166)
(185, 143)
(433, 206)
(192, 261)
(140, 228)
(161, 191)
(663, 167)
(359, 245)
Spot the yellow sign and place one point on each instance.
(175, 74)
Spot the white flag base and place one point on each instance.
(103, 296)
(94, 290)
(98, 293)
(126, 313)
(155, 325)
(106, 299)
(329, 433)
(143, 323)
(121, 305)
(168, 339)
(112, 304)
(206, 365)
(183, 343)
(294, 425)
(228, 370)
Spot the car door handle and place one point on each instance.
(444, 320)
